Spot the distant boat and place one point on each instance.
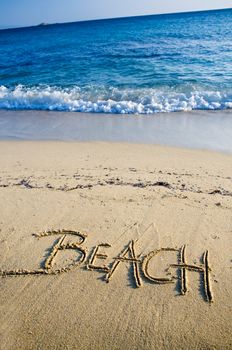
(43, 24)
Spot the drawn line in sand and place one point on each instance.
(128, 255)
(130, 249)
(49, 262)
(207, 277)
(146, 262)
(51, 257)
(47, 233)
(205, 269)
(183, 271)
(95, 255)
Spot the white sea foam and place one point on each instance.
(111, 100)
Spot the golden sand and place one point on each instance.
(114, 246)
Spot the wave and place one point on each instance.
(111, 100)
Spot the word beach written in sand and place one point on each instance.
(141, 264)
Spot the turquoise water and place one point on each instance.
(137, 65)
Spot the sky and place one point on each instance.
(19, 13)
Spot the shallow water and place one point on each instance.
(202, 130)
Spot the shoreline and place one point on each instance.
(210, 130)
(44, 143)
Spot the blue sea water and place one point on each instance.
(139, 65)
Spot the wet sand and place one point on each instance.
(197, 129)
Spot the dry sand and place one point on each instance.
(138, 199)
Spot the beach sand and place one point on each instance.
(164, 213)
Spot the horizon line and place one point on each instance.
(45, 24)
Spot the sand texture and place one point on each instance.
(114, 246)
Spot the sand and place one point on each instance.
(114, 246)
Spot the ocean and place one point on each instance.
(137, 65)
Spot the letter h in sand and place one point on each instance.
(184, 267)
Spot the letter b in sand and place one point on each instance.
(60, 245)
